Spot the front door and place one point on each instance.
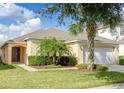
(15, 54)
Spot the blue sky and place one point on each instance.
(21, 18)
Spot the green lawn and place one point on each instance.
(16, 77)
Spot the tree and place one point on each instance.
(53, 48)
(86, 17)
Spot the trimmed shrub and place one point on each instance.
(72, 61)
(32, 61)
(39, 61)
(98, 67)
(67, 61)
(81, 66)
(121, 60)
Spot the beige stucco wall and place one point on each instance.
(32, 47)
(77, 51)
(6, 52)
(121, 49)
(116, 55)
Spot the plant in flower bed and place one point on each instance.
(97, 67)
(81, 66)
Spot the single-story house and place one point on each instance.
(18, 49)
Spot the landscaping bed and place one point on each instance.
(51, 66)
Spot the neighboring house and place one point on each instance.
(116, 34)
(18, 49)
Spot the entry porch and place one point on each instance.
(14, 52)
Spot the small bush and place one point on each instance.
(81, 66)
(32, 61)
(98, 67)
(72, 61)
(121, 60)
(67, 61)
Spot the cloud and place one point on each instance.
(3, 37)
(25, 21)
(15, 12)
(26, 27)
(3, 28)
(20, 28)
(31, 25)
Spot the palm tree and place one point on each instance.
(53, 48)
(87, 17)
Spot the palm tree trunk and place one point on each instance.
(54, 58)
(91, 33)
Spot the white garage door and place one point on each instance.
(101, 56)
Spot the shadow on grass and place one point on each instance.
(6, 66)
(110, 76)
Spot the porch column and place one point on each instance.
(9, 55)
(21, 54)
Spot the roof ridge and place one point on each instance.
(27, 34)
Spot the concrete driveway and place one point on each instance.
(118, 68)
(113, 86)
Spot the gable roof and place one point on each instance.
(50, 33)
(60, 35)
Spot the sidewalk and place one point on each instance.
(28, 68)
(112, 86)
(31, 69)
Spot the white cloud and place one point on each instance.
(25, 21)
(3, 37)
(3, 28)
(26, 27)
(31, 25)
(21, 28)
(15, 12)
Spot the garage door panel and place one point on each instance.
(101, 55)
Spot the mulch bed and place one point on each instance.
(43, 67)
(79, 70)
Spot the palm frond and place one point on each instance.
(75, 29)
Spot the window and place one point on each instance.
(122, 30)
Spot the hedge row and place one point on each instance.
(41, 61)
